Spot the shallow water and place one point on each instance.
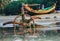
(47, 36)
(21, 38)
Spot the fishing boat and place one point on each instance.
(41, 11)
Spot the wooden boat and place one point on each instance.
(40, 11)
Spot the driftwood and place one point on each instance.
(23, 23)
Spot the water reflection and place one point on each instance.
(47, 36)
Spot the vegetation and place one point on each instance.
(3, 4)
(13, 8)
(58, 5)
